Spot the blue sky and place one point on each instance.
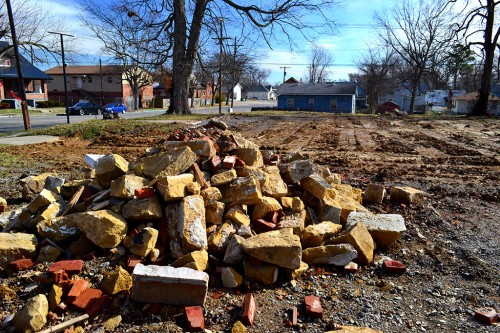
(353, 37)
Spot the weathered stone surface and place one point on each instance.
(50, 212)
(244, 190)
(338, 255)
(54, 183)
(234, 251)
(193, 188)
(169, 163)
(113, 322)
(238, 327)
(197, 260)
(14, 219)
(238, 216)
(144, 242)
(295, 221)
(214, 212)
(275, 186)
(42, 200)
(174, 187)
(326, 174)
(59, 228)
(109, 167)
(16, 246)
(293, 204)
(281, 248)
(124, 187)
(295, 171)
(169, 285)
(104, 228)
(313, 235)
(33, 315)
(203, 148)
(48, 253)
(211, 194)
(69, 188)
(223, 178)
(55, 296)
(331, 213)
(142, 209)
(354, 329)
(375, 193)
(219, 239)
(407, 195)
(318, 187)
(251, 156)
(258, 173)
(191, 223)
(358, 236)
(119, 280)
(231, 278)
(32, 185)
(384, 228)
(264, 207)
(259, 271)
(82, 246)
(3, 205)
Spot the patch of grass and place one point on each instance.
(178, 117)
(94, 129)
(32, 112)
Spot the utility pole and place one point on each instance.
(24, 105)
(102, 89)
(284, 71)
(234, 69)
(64, 71)
(220, 39)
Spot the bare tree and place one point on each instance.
(183, 22)
(320, 62)
(483, 15)
(417, 31)
(32, 25)
(138, 47)
(376, 67)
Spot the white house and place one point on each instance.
(261, 92)
(440, 97)
(236, 91)
(463, 104)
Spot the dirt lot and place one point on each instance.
(451, 247)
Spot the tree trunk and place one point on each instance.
(135, 93)
(184, 55)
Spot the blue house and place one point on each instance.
(336, 97)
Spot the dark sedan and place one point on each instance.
(85, 108)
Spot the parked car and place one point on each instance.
(85, 108)
(115, 108)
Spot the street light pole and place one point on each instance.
(220, 39)
(64, 71)
(24, 105)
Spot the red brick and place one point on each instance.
(86, 298)
(351, 267)
(60, 276)
(248, 309)
(132, 261)
(143, 193)
(195, 319)
(69, 266)
(21, 264)
(77, 287)
(486, 315)
(262, 225)
(97, 306)
(313, 306)
(229, 162)
(239, 163)
(215, 163)
(393, 267)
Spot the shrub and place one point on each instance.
(42, 104)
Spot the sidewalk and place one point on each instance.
(27, 140)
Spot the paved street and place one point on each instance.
(15, 123)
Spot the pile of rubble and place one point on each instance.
(206, 200)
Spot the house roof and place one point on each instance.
(329, 88)
(291, 80)
(30, 72)
(473, 96)
(85, 70)
(259, 88)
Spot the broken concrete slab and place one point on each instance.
(104, 228)
(169, 163)
(375, 193)
(124, 187)
(33, 316)
(108, 168)
(384, 228)
(358, 236)
(407, 195)
(243, 190)
(169, 285)
(320, 188)
(313, 235)
(173, 188)
(142, 209)
(338, 255)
